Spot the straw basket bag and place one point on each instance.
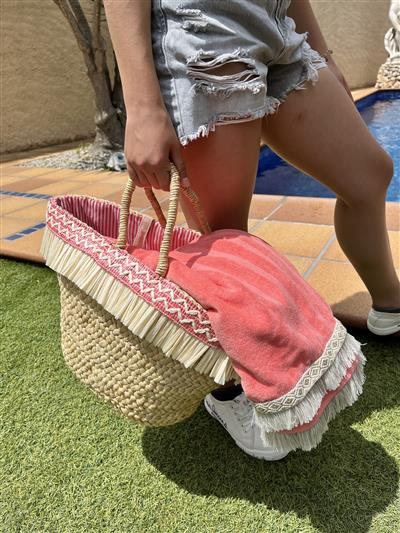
(132, 336)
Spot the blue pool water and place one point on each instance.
(381, 112)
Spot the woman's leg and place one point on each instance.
(319, 131)
(222, 171)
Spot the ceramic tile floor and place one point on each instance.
(299, 227)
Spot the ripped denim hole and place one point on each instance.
(209, 73)
(195, 20)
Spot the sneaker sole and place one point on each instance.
(269, 456)
(383, 331)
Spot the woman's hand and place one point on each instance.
(150, 144)
(150, 139)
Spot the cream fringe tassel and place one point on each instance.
(306, 440)
(305, 410)
(136, 314)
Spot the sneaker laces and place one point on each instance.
(244, 411)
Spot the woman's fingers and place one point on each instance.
(136, 176)
(150, 148)
(163, 177)
(158, 177)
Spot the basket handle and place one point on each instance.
(168, 225)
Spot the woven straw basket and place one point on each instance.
(132, 336)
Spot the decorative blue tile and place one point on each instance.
(26, 231)
(26, 194)
(13, 237)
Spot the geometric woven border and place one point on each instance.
(159, 292)
(310, 376)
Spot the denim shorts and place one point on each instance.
(191, 38)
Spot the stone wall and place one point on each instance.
(355, 30)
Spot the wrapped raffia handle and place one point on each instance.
(168, 225)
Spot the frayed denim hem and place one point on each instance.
(312, 62)
(222, 118)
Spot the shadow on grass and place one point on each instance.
(340, 485)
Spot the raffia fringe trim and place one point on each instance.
(309, 439)
(304, 411)
(136, 314)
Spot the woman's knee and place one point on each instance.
(386, 165)
(375, 177)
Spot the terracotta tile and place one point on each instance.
(5, 181)
(262, 204)
(66, 173)
(26, 185)
(10, 225)
(26, 247)
(94, 175)
(311, 210)
(295, 238)
(57, 188)
(360, 93)
(71, 174)
(27, 172)
(139, 198)
(119, 178)
(180, 217)
(114, 197)
(162, 200)
(8, 204)
(151, 213)
(36, 211)
(99, 190)
(342, 288)
(60, 175)
(335, 252)
(4, 164)
(301, 263)
(11, 169)
(393, 216)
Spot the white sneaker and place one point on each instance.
(236, 416)
(382, 323)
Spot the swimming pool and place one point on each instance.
(381, 112)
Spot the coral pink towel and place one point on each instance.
(298, 364)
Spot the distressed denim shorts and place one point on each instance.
(192, 38)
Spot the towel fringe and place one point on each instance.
(136, 314)
(309, 439)
(305, 410)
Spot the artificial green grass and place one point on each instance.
(69, 463)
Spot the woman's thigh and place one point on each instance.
(320, 131)
(222, 169)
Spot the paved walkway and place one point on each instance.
(301, 228)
